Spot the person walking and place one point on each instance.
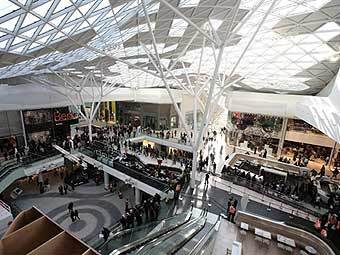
(106, 233)
(65, 189)
(60, 189)
(318, 201)
(70, 207)
(72, 215)
(127, 205)
(231, 213)
(76, 215)
(214, 167)
(206, 179)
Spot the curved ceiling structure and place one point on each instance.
(294, 50)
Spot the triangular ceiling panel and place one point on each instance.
(29, 19)
(3, 44)
(85, 8)
(57, 21)
(43, 9)
(10, 24)
(76, 15)
(46, 28)
(18, 40)
(62, 5)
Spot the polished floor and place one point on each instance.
(229, 232)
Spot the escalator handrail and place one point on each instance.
(119, 166)
(133, 245)
(202, 215)
(186, 239)
(197, 248)
(126, 231)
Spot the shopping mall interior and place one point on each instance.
(165, 127)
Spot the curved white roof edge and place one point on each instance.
(323, 112)
(32, 96)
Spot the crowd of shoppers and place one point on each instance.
(149, 210)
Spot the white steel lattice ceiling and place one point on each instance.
(296, 50)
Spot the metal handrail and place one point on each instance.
(130, 230)
(197, 248)
(133, 245)
(194, 221)
(300, 211)
(141, 176)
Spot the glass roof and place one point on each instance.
(295, 50)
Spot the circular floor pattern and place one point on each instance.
(92, 218)
(77, 225)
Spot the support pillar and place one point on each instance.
(138, 196)
(106, 180)
(282, 136)
(193, 169)
(90, 131)
(331, 156)
(23, 128)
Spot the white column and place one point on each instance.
(194, 146)
(194, 168)
(138, 196)
(333, 152)
(90, 131)
(106, 180)
(282, 136)
(23, 128)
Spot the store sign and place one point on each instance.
(58, 117)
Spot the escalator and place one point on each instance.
(126, 241)
(181, 234)
(191, 244)
(203, 243)
(170, 243)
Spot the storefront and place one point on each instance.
(107, 112)
(45, 124)
(155, 116)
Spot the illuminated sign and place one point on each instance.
(58, 117)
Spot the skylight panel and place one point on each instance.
(19, 50)
(92, 19)
(170, 48)
(10, 24)
(133, 4)
(3, 44)
(18, 40)
(63, 4)
(68, 29)
(328, 31)
(46, 28)
(57, 21)
(44, 39)
(34, 45)
(216, 23)
(188, 3)
(7, 7)
(85, 8)
(117, 9)
(150, 9)
(103, 4)
(43, 9)
(178, 28)
(82, 26)
(29, 19)
(76, 15)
